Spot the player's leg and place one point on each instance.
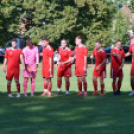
(59, 83)
(102, 86)
(9, 87)
(79, 83)
(67, 85)
(32, 85)
(119, 85)
(95, 85)
(84, 85)
(18, 87)
(132, 85)
(49, 86)
(114, 85)
(25, 86)
(45, 87)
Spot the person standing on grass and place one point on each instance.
(100, 66)
(47, 66)
(12, 57)
(64, 66)
(81, 52)
(31, 58)
(131, 51)
(117, 63)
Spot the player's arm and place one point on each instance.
(103, 62)
(37, 60)
(122, 63)
(51, 64)
(127, 54)
(116, 55)
(91, 56)
(68, 61)
(58, 60)
(4, 64)
(85, 64)
(22, 62)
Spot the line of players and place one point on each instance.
(29, 57)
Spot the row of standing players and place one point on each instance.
(29, 57)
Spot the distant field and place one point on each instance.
(67, 115)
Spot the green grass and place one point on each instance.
(67, 115)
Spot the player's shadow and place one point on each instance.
(65, 114)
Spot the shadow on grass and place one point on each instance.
(67, 114)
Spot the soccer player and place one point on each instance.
(47, 66)
(117, 63)
(12, 56)
(81, 52)
(131, 51)
(64, 66)
(100, 66)
(31, 58)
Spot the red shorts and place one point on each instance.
(46, 73)
(10, 74)
(80, 72)
(64, 72)
(116, 73)
(132, 70)
(99, 73)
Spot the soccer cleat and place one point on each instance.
(58, 92)
(118, 92)
(79, 94)
(95, 92)
(132, 93)
(85, 95)
(49, 95)
(18, 95)
(44, 93)
(67, 94)
(10, 95)
(101, 94)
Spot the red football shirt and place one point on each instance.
(48, 53)
(65, 55)
(116, 61)
(80, 52)
(13, 58)
(131, 50)
(99, 57)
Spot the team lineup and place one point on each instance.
(29, 58)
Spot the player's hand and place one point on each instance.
(40, 43)
(98, 67)
(4, 69)
(29, 69)
(85, 69)
(120, 67)
(91, 57)
(50, 71)
(23, 68)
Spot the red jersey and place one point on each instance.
(116, 61)
(80, 52)
(48, 53)
(13, 58)
(131, 50)
(65, 55)
(99, 57)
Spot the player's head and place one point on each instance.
(45, 42)
(29, 43)
(63, 43)
(98, 44)
(78, 40)
(14, 43)
(118, 44)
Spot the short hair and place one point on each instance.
(63, 40)
(78, 37)
(28, 41)
(14, 40)
(98, 41)
(46, 39)
(118, 41)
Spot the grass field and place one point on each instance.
(67, 114)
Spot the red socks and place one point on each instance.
(59, 82)
(9, 88)
(79, 86)
(119, 84)
(67, 85)
(114, 86)
(95, 85)
(49, 87)
(132, 85)
(85, 86)
(18, 87)
(102, 88)
(45, 85)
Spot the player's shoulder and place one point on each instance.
(68, 49)
(103, 51)
(83, 46)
